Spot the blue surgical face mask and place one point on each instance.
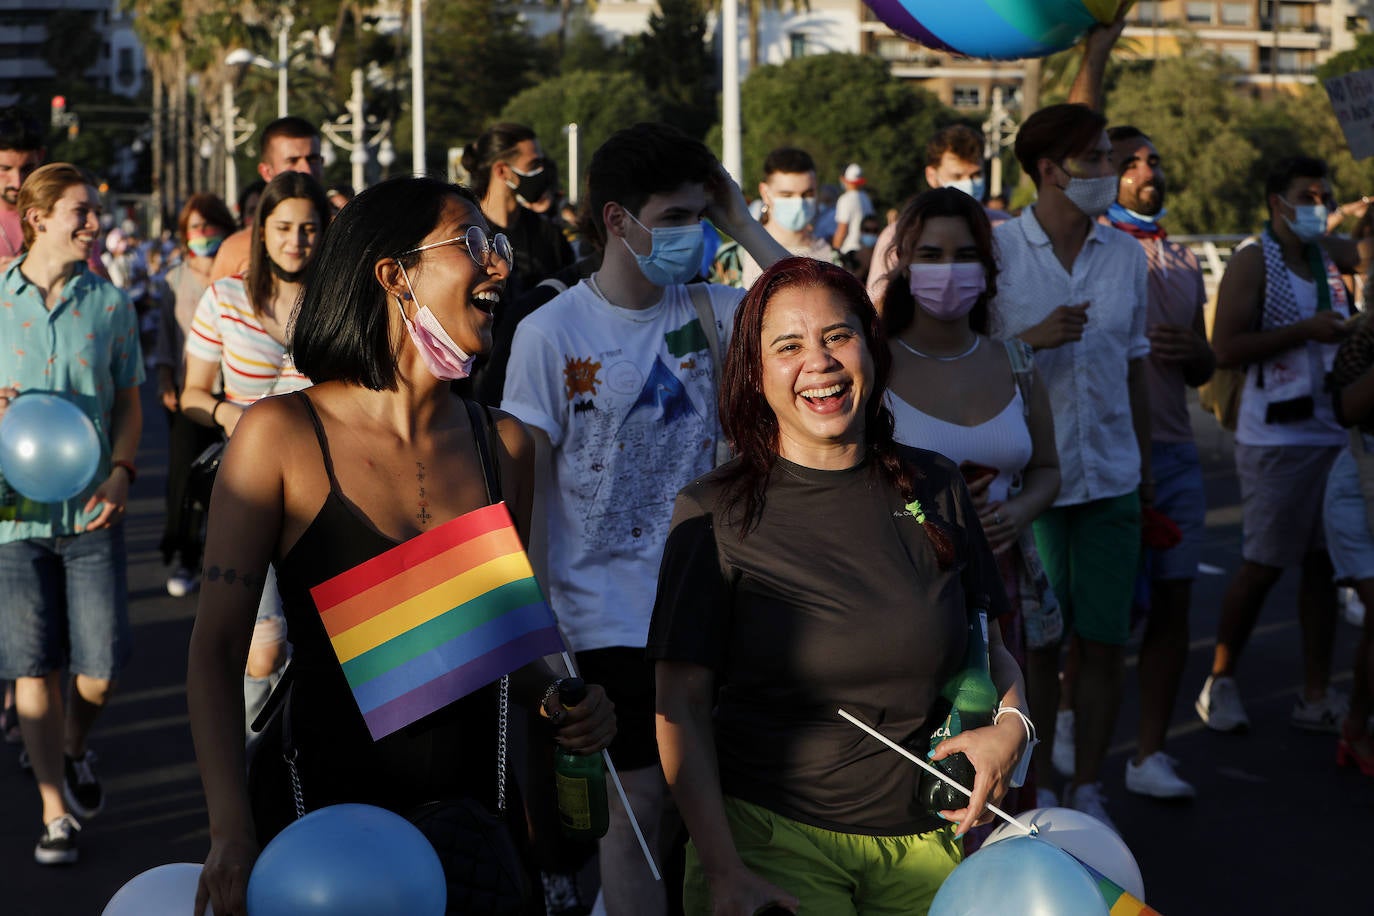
(674, 256)
(792, 213)
(1308, 221)
(973, 187)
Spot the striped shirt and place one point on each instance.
(225, 331)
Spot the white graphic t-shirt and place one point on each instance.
(628, 401)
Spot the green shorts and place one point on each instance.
(1091, 552)
(834, 874)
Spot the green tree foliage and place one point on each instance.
(599, 103)
(840, 108)
(1360, 57)
(673, 60)
(585, 49)
(477, 59)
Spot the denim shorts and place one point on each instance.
(1178, 494)
(65, 604)
(1348, 536)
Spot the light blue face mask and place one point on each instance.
(1308, 222)
(973, 187)
(674, 256)
(792, 213)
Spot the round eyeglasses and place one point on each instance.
(480, 249)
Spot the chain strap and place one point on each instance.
(503, 716)
(296, 795)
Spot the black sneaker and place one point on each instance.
(80, 787)
(57, 845)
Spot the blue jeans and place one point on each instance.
(64, 602)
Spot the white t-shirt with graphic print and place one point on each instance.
(628, 401)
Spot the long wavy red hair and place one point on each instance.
(752, 427)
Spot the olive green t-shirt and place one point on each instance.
(835, 599)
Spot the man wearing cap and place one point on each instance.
(850, 211)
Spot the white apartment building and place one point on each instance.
(24, 25)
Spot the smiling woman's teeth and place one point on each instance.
(487, 298)
(818, 393)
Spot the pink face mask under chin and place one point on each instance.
(444, 359)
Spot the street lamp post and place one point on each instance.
(417, 89)
(355, 140)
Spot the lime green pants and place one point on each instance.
(832, 874)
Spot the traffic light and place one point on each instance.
(59, 111)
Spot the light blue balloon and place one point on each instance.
(348, 860)
(49, 449)
(168, 890)
(1023, 876)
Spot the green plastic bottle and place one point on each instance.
(973, 701)
(580, 779)
(9, 501)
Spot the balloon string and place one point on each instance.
(1028, 831)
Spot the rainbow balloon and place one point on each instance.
(994, 29)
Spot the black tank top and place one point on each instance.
(451, 753)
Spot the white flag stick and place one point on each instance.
(620, 789)
(932, 770)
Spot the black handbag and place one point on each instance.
(200, 478)
(483, 868)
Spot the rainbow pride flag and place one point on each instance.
(435, 618)
(1120, 902)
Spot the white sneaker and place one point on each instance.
(182, 582)
(1351, 606)
(1321, 716)
(1062, 758)
(1045, 798)
(1155, 777)
(1218, 705)
(1088, 799)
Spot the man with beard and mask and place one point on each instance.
(954, 159)
(615, 379)
(1281, 312)
(1076, 291)
(1180, 358)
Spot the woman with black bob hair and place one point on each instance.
(378, 451)
(825, 567)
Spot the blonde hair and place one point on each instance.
(44, 188)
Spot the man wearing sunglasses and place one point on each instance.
(615, 379)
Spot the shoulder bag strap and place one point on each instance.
(706, 316)
(483, 431)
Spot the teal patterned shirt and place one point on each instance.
(85, 350)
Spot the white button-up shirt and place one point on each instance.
(1087, 380)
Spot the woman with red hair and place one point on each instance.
(824, 567)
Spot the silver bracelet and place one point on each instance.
(1018, 776)
(549, 693)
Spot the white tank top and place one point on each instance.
(1004, 442)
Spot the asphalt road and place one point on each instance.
(1276, 827)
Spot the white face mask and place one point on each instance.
(444, 359)
(1308, 221)
(792, 213)
(973, 187)
(1092, 195)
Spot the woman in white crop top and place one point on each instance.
(955, 391)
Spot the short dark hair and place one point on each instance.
(496, 144)
(291, 127)
(1123, 132)
(1057, 133)
(286, 186)
(19, 130)
(960, 140)
(643, 160)
(789, 160)
(341, 331)
(211, 209)
(1281, 176)
(899, 306)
